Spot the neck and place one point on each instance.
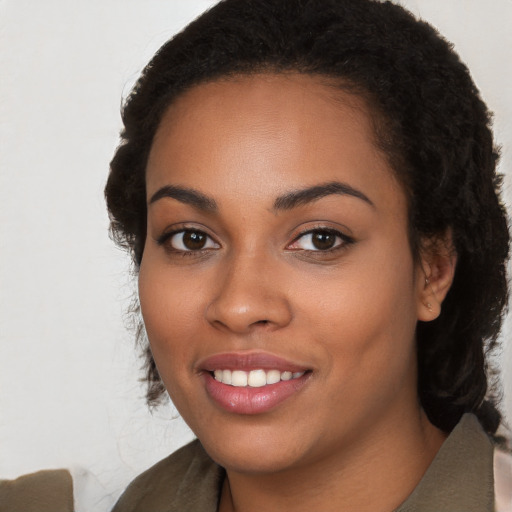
(374, 473)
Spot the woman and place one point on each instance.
(309, 193)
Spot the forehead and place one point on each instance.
(277, 98)
(292, 130)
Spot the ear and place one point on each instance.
(434, 275)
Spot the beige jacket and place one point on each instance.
(460, 479)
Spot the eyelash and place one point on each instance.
(344, 240)
(166, 238)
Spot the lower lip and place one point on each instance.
(248, 400)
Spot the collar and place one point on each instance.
(460, 477)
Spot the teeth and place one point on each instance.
(239, 379)
(226, 376)
(257, 378)
(273, 376)
(254, 378)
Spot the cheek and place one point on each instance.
(371, 286)
(365, 316)
(172, 309)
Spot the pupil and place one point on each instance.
(323, 240)
(194, 240)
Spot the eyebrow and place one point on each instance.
(187, 196)
(287, 201)
(307, 195)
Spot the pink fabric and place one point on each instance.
(503, 481)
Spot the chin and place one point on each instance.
(254, 461)
(253, 452)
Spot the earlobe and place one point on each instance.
(435, 277)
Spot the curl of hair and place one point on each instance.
(429, 120)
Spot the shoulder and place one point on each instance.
(460, 476)
(186, 480)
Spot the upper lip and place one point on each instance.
(248, 361)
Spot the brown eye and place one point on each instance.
(323, 240)
(194, 240)
(320, 240)
(191, 240)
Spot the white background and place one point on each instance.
(69, 390)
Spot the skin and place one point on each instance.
(354, 437)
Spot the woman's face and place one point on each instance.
(277, 247)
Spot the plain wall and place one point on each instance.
(69, 390)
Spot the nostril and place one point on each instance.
(241, 310)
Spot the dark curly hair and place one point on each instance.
(429, 119)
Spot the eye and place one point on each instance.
(320, 240)
(189, 240)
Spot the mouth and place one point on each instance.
(255, 378)
(252, 383)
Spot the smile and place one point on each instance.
(254, 378)
(252, 382)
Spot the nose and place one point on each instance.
(250, 295)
